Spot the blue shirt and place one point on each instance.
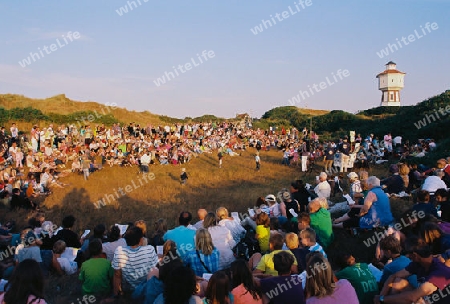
(148, 291)
(427, 208)
(318, 248)
(379, 213)
(396, 265)
(211, 261)
(183, 238)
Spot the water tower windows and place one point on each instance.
(391, 96)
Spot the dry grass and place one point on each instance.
(312, 112)
(236, 186)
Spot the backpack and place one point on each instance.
(246, 247)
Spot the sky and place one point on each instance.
(219, 57)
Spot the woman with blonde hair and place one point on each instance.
(237, 231)
(205, 257)
(222, 240)
(403, 171)
(141, 224)
(321, 285)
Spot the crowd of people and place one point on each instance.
(285, 261)
(33, 162)
(278, 253)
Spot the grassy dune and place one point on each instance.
(62, 105)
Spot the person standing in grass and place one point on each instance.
(85, 166)
(183, 176)
(220, 156)
(258, 161)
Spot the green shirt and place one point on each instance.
(362, 279)
(96, 276)
(322, 225)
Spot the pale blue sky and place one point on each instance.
(117, 58)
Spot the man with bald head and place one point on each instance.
(321, 221)
(201, 213)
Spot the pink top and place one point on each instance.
(30, 299)
(344, 293)
(242, 296)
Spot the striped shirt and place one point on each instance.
(135, 264)
(318, 248)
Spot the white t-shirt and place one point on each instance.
(110, 247)
(69, 267)
(432, 183)
(323, 189)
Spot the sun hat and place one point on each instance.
(352, 175)
(271, 198)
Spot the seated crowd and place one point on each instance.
(276, 255)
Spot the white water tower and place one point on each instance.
(390, 82)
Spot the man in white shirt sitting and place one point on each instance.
(434, 182)
(323, 188)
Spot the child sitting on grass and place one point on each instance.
(61, 264)
(263, 231)
(360, 276)
(304, 221)
(308, 239)
(96, 274)
(300, 253)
